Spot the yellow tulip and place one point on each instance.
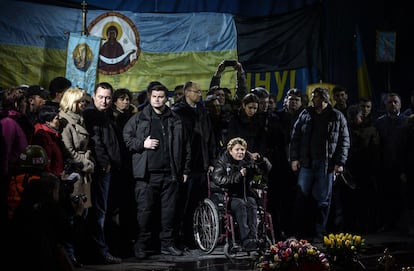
(326, 241)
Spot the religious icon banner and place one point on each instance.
(82, 60)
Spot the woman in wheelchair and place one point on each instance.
(234, 172)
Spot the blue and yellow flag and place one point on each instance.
(136, 48)
(364, 84)
(82, 61)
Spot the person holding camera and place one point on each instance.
(220, 104)
(234, 171)
(241, 84)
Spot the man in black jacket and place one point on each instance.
(105, 148)
(199, 133)
(160, 160)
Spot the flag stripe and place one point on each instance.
(177, 68)
(364, 85)
(172, 68)
(159, 32)
(28, 64)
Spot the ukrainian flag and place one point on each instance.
(364, 84)
(173, 48)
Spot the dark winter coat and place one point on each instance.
(199, 132)
(103, 139)
(337, 143)
(138, 128)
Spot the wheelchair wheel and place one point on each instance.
(266, 236)
(206, 225)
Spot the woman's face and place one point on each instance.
(81, 104)
(250, 109)
(238, 152)
(54, 123)
(122, 103)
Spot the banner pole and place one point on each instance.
(84, 11)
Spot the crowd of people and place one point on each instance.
(121, 179)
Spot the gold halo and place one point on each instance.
(109, 24)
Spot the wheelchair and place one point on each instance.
(214, 224)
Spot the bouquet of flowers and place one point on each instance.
(343, 248)
(293, 254)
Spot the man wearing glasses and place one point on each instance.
(199, 132)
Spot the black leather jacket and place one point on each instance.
(227, 175)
